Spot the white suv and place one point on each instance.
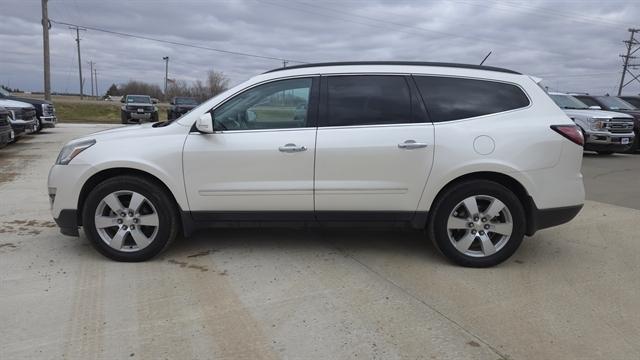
(477, 156)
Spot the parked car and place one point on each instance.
(22, 117)
(605, 132)
(179, 106)
(6, 133)
(112, 98)
(479, 156)
(633, 100)
(138, 109)
(613, 103)
(45, 111)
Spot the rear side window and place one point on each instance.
(587, 100)
(367, 100)
(449, 98)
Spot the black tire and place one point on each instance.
(124, 117)
(446, 203)
(155, 117)
(168, 224)
(605, 152)
(39, 126)
(169, 115)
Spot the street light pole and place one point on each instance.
(166, 74)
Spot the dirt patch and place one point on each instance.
(201, 253)
(25, 227)
(473, 343)
(184, 264)
(9, 245)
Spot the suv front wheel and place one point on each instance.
(129, 218)
(477, 223)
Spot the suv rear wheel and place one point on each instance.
(129, 218)
(477, 223)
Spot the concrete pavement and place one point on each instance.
(571, 292)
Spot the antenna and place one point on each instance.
(486, 57)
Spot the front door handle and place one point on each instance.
(411, 144)
(291, 148)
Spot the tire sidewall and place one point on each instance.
(168, 223)
(456, 194)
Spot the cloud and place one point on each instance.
(573, 45)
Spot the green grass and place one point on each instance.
(93, 112)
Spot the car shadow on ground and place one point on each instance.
(347, 241)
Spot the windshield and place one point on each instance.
(614, 103)
(568, 102)
(139, 99)
(186, 101)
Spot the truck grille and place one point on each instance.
(48, 110)
(619, 126)
(28, 114)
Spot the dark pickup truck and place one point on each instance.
(179, 106)
(613, 103)
(45, 111)
(6, 134)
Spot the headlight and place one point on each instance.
(72, 150)
(598, 123)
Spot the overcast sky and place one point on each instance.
(573, 45)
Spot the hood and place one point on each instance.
(14, 104)
(131, 131)
(29, 101)
(596, 113)
(138, 104)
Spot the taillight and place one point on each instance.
(571, 132)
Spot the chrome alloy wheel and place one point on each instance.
(480, 226)
(126, 221)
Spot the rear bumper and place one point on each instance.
(545, 218)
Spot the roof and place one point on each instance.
(399, 63)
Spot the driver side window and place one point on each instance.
(276, 105)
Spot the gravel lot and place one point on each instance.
(569, 292)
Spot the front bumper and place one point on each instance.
(603, 141)
(6, 135)
(22, 127)
(48, 121)
(67, 221)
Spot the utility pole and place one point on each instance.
(79, 59)
(91, 72)
(95, 74)
(284, 63)
(631, 43)
(45, 47)
(166, 74)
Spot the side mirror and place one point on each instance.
(594, 107)
(204, 124)
(251, 116)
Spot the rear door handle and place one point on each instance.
(291, 148)
(411, 144)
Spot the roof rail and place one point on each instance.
(406, 63)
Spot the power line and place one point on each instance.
(398, 24)
(178, 43)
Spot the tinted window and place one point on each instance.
(587, 100)
(367, 100)
(456, 98)
(275, 105)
